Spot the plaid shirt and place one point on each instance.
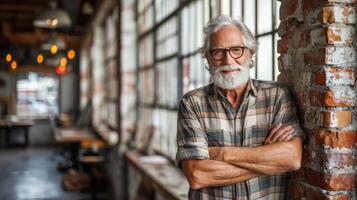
(207, 119)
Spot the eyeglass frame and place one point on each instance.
(229, 50)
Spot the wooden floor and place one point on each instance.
(30, 173)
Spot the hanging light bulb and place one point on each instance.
(71, 54)
(54, 49)
(60, 70)
(8, 57)
(63, 61)
(13, 65)
(53, 18)
(39, 58)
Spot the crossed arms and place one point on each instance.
(229, 165)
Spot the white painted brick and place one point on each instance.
(335, 14)
(344, 34)
(340, 55)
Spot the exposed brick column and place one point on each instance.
(318, 58)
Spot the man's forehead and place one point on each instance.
(227, 36)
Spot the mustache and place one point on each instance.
(227, 68)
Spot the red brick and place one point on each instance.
(335, 76)
(315, 56)
(339, 160)
(283, 46)
(319, 195)
(344, 97)
(335, 182)
(336, 14)
(340, 181)
(331, 55)
(332, 37)
(300, 191)
(320, 77)
(303, 97)
(287, 26)
(338, 119)
(288, 8)
(282, 77)
(300, 38)
(331, 99)
(336, 139)
(309, 4)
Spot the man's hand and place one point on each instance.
(280, 133)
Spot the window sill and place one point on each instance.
(165, 178)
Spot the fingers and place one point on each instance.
(280, 133)
(286, 136)
(275, 128)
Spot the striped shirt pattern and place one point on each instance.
(207, 119)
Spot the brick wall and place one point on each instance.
(318, 58)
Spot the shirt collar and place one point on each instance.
(251, 88)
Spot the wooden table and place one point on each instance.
(73, 135)
(10, 124)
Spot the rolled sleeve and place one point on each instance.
(286, 113)
(191, 138)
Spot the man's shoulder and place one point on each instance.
(270, 86)
(203, 91)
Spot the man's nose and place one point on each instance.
(228, 59)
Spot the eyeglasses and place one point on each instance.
(235, 52)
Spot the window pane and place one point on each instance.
(184, 30)
(205, 13)
(192, 37)
(166, 83)
(277, 14)
(237, 8)
(264, 16)
(252, 72)
(37, 95)
(166, 39)
(199, 25)
(249, 14)
(265, 58)
(276, 69)
(214, 8)
(225, 7)
(146, 56)
(146, 86)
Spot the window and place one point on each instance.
(37, 95)
(105, 77)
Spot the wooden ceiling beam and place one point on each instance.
(35, 39)
(16, 15)
(28, 7)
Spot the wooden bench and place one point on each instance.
(164, 178)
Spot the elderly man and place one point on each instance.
(237, 137)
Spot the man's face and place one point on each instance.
(228, 58)
(225, 38)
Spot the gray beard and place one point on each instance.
(233, 79)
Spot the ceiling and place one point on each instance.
(16, 21)
(22, 40)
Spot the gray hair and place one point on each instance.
(219, 22)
